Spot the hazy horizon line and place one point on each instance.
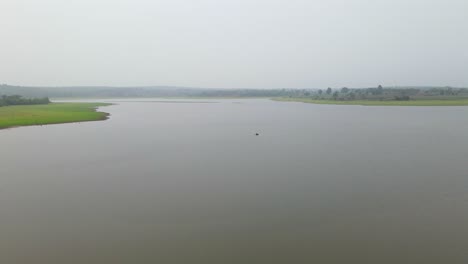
(224, 88)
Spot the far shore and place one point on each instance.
(420, 102)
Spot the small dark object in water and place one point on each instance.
(257, 134)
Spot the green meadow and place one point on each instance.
(54, 113)
(419, 102)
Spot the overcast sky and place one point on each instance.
(234, 43)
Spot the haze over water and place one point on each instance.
(171, 182)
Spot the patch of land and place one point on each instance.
(421, 102)
(54, 113)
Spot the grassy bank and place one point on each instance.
(54, 113)
(421, 102)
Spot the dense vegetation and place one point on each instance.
(6, 100)
(378, 95)
(54, 113)
(134, 92)
(425, 102)
(386, 94)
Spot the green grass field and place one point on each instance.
(54, 113)
(420, 102)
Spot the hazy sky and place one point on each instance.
(234, 43)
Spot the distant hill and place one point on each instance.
(150, 91)
(165, 91)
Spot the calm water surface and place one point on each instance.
(171, 182)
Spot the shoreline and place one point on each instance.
(421, 102)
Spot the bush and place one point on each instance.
(6, 100)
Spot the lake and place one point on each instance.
(188, 181)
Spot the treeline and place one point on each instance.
(135, 92)
(386, 94)
(344, 93)
(6, 100)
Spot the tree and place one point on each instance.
(379, 90)
(450, 91)
(344, 90)
(320, 91)
(329, 90)
(335, 95)
(6, 100)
